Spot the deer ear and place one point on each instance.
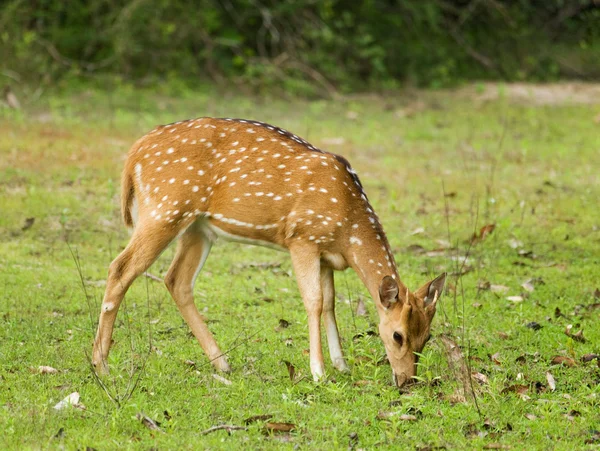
(388, 291)
(432, 291)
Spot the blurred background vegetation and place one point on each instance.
(307, 47)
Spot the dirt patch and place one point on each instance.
(542, 94)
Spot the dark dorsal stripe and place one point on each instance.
(308, 145)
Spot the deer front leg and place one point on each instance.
(333, 336)
(145, 246)
(306, 263)
(192, 250)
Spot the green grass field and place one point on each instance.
(438, 167)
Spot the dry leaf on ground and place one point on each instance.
(221, 379)
(42, 369)
(528, 286)
(283, 324)
(381, 415)
(533, 325)
(407, 417)
(483, 233)
(551, 381)
(515, 298)
(563, 360)
(279, 427)
(481, 378)
(589, 357)
(595, 438)
(291, 370)
(418, 231)
(148, 422)
(353, 436)
(559, 314)
(27, 224)
(457, 398)
(515, 388)
(255, 418)
(577, 336)
(484, 285)
(70, 400)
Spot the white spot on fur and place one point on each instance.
(355, 240)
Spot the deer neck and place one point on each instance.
(369, 254)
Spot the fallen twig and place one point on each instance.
(227, 427)
(153, 277)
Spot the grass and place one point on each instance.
(437, 167)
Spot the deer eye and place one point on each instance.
(398, 338)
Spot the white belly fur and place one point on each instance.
(214, 232)
(336, 261)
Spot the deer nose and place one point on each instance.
(400, 379)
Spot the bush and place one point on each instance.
(309, 46)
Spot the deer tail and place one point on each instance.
(127, 196)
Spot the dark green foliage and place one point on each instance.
(303, 45)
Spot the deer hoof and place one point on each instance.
(101, 367)
(222, 365)
(341, 365)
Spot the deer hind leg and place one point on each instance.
(146, 244)
(193, 248)
(333, 336)
(306, 263)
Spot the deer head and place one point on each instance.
(404, 325)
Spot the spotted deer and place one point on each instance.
(197, 180)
